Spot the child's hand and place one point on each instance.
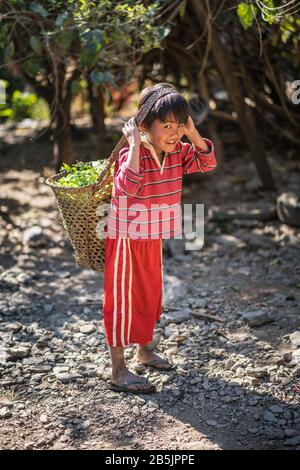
(189, 128)
(131, 132)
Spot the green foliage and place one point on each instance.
(182, 8)
(246, 14)
(268, 15)
(288, 28)
(64, 39)
(36, 45)
(21, 103)
(31, 67)
(38, 8)
(81, 174)
(103, 39)
(25, 105)
(39, 111)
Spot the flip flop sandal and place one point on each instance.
(155, 364)
(124, 386)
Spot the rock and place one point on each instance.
(291, 432)
(60, 369)
(33, 361)
(287, 357)
(43, 342)
(251, 380)
(24, 278)
(288, 209)
(194, 445)
(10, 381)
(66, 377)
(5, 403)
(40, 368)
(295, 357)
(48, 308)
(211, 422)
(229, 399)
(257, 317)
(5, 413)
(215, 214)
(252, 402)
(229, 241)
(295, 338)
(14, 327)
(293, 441)
(34, 237)
(268, 416)
(275, 434)
(170, 330)
(44, 419)
(18, 352)
(88, 329)
(174, 289)
(136, 411)
(229, 363)
(3, 306)
(179, 316)
(88, 365)
(198, 303)
(276, 409)
(253, 430)
(94, 341)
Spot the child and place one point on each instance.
(148, 174)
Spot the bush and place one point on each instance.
(25, 105)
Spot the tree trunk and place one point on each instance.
(98, 117)
(212, 128)
(246, 119)
(63, 148)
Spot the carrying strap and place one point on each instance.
(139, 118)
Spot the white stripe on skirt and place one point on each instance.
(115, 293)
(123, 307)
(129, 292)
(123, 278)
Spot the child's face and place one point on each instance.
(165, 135)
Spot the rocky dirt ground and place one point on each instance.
(231, 322)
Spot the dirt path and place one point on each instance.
(231, 326)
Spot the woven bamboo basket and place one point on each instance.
(78, 206)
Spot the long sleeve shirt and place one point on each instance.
(147, 204)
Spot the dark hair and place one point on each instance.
(171, 104)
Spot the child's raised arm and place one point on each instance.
(200, 156)
(133, 137)
(129, 173)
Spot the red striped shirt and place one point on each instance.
(147, 204)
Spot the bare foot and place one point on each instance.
(145, 356)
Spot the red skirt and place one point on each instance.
(133, 290)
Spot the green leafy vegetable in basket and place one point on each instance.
(81, 173)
